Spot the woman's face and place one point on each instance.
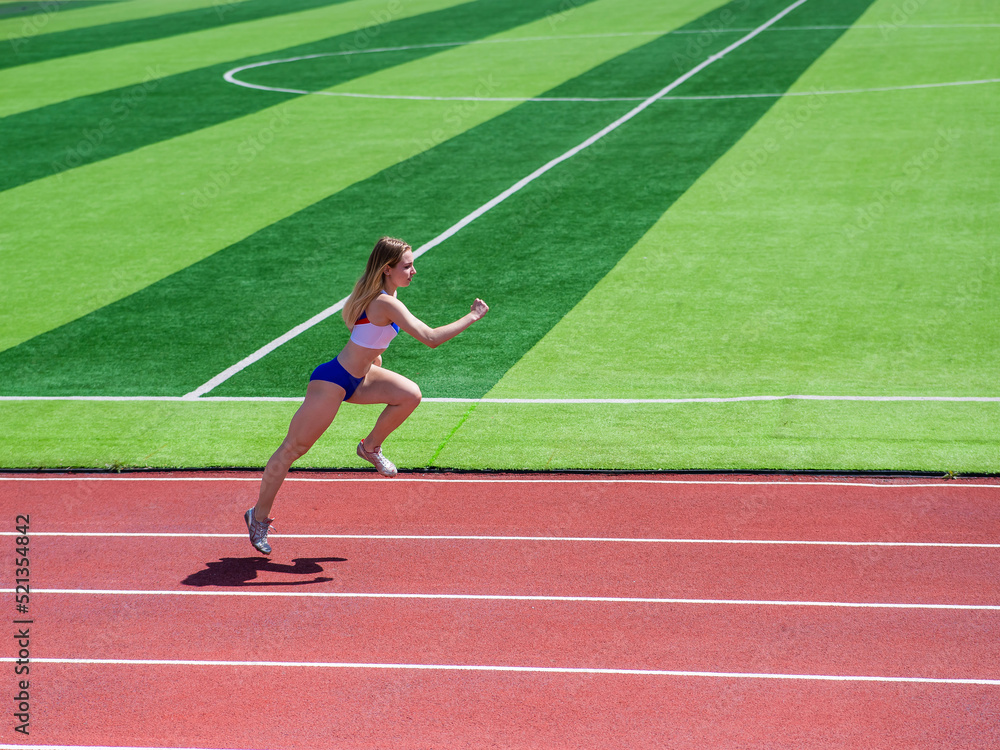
(402, 272)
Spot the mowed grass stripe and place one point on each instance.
(184, 215)
(749, 284)
(206, 433)
(771, 277)
(788, 436)
(40, 84)
(172, 195)
(740, 436)
(173, 22)
(96, 127)
(534, 256)
(844, 246)
(54, 17)
(45, 14)
(540, 253)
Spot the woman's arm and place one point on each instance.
(397, 312)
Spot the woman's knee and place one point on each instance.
(412, 396)
(293, 449)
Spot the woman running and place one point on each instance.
(374, 316)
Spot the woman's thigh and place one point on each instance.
(320, 406)
(383, 386)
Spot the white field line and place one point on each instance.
(230, 75)
(522, 598)
(606, 35)
(521, 669)
(542, 99)
(706, 400)
(733, 399)
(499, 480)
(268, 348)
(824, 92)
(885, 25)
(485, 538)
(223, 376)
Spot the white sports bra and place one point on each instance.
(367, 334)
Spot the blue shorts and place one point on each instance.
(334, 372)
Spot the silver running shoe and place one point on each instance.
(258, 531)
(385, 467)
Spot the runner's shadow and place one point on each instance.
(240, 571)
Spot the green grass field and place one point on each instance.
(812, 214)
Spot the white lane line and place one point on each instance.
(944, 483)
(522, 598)
(474, 538)
(268, 348)
(522, 669)
(103, 747)
(446, 400)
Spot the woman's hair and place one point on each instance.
(388, 251)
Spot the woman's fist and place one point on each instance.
(479, 309)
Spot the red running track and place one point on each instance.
(726, 667)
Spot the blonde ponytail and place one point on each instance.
(388, 251)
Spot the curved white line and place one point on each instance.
(271, 346)
(230, 75)
(468, 219)
(415, 97)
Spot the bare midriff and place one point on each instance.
(357, 359)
